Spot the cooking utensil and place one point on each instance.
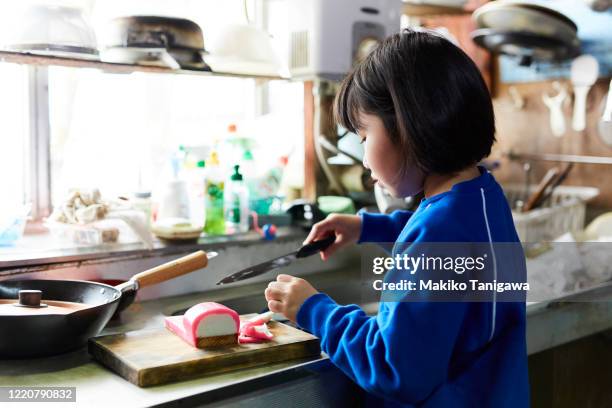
(525, 30)
(527, 170)
(556, 183)
(605, 122)
(527, 47)
(584, 73)
(305, 251)
(554, 105)
(174, 41)
(546, 181)
(527, 18)
(155, 32)
(153, 357)
(43, 332)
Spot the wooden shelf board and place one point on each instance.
(427, 10)
(44, 60)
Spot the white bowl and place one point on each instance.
(49, 30)
(244, 49)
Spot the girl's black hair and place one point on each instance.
(430, 96)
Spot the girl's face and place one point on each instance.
(385, 160)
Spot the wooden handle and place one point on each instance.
(558, 180)
(534, 198)
(172, 269)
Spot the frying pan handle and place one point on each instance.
(315, 247)
(172, 269)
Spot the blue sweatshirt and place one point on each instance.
(432, 354)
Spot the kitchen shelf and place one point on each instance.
(44, 60)
(561, 158)
(430, 10)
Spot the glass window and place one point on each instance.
(119, 132)
(14, 135)
(116, 132)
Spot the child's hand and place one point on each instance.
(287, 294)
(347, 229)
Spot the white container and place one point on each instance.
(48, 30)
(563, 212)
(174, 200)
(196, 185)
(141, 201)
(97, 233)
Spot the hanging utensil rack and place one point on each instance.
(559, 158)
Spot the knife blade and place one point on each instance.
(259, 269)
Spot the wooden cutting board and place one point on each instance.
(157, 356)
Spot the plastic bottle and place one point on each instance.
(141, 200)
(190, 161)
(248, 168)
(196, 180)
(236, 204)
(173, 200)
(177, 161)
(215, 222)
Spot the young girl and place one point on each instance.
(426, 119)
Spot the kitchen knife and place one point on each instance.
(307, 250)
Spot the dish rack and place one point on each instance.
(564, 211)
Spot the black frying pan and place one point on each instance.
(36, 335)
(529, 47)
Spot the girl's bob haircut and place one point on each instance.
(430, 97)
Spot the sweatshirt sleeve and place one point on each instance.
(403, 353)
(381, 228)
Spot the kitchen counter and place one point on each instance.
(97, 386)
(569, 318)
(36, 251)
(549, 324)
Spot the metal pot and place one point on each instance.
(182, 39)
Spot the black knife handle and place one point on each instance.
(315, 247)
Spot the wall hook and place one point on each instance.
(555, 104)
